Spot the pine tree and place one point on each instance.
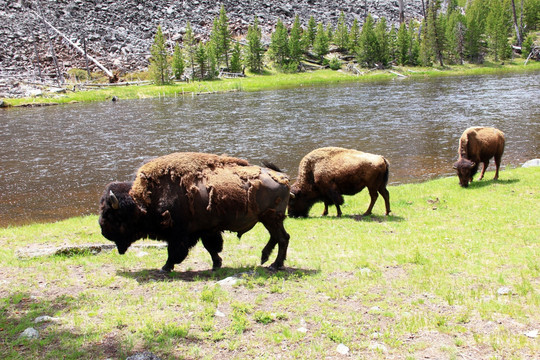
(212, 63)
(159, 65)
(382, 50)
(310, 33)
(201, 58)
(354, 36)
(366, 50)
(321, 45)
(295, 46)
(434, 35)
(236, 59)
(403, 43)
(475, 16)
(392, 44)
(414, 45)
(279, 44)
(178, 62)
(341, 36)
(225, 35)
(191, 48)
(221, 37)
(455, 35)
(255, 50)
(497, 29)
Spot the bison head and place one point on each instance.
(465, 171)
(120, 217)
(299, 203)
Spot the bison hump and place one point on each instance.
(185, 168)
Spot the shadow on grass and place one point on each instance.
(260, 272)
(484, 183)
(359, 217)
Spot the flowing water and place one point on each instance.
(55, 161)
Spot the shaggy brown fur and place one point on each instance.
(478, 145)
(326, 174)
(182, 197)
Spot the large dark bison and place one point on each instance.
(183, 197)
(478, 145)
(326, 174)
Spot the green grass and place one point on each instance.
(420, 283)
(269, 81)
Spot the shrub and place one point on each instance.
(335, 63)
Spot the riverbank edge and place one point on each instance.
(254, 82)
(509, 171)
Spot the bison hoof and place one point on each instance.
(275, 267)
(264, 258)
(166, 269)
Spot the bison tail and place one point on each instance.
(386, 173)
(271, 166)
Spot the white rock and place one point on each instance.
(532, 334)
(45, 318)
(377, 346)
(302, 329)
(29, 333)
(219, 313)
(531, 163)
(141, 254)
(342, 349)
(229, 281)
(365, 271)
(503, 290)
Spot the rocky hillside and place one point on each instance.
(119, 33)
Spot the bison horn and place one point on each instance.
(292, 195)
(114, 200)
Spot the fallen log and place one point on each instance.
(78, 48)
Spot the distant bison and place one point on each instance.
(478, 145)
(183, 197)
(326, 174)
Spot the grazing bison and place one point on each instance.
(183, 197)
(326, 174)
(478, 145)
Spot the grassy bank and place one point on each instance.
(453, 273)
(269, 81)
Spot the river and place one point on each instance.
(56, 160)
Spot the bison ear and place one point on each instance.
(113, 200)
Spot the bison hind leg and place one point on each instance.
(278, 236)
(213, 243)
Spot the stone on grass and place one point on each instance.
(45, 318)
(532, 334)
(29, 333)
(504, 290)
(230, 281)
(531, 163)
(147, 355)
(342, 349)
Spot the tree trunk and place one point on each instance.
(401, 12)
(516, 26)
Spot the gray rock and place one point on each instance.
(29, 333)
(147, 355)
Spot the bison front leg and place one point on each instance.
(177, 253)
(484, 167)
(214, 244)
